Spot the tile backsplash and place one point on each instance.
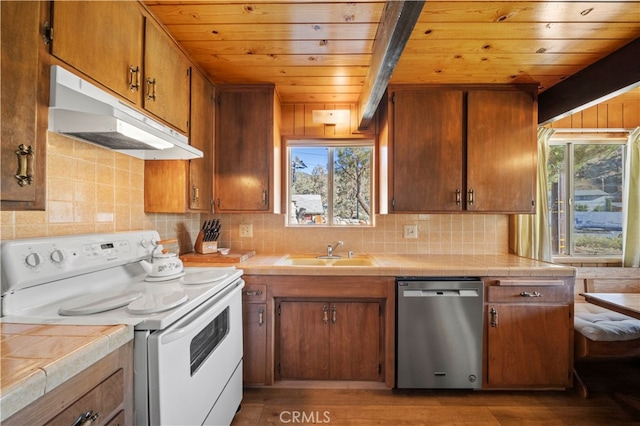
(91, 189)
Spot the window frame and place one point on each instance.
(329, 143)
(569, 142)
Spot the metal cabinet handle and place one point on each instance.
(151, 84)
(261, 317)
(534, 294)
(253, 293)
(471, 196)
(264, 197)
(196, 193)
(86, 419)
(458, 197)
(494, 317)
(134, 78)
(24, 175)
(325, 314)
(333, 314)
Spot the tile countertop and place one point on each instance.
(411, 265)
(37, 358)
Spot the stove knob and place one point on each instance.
(144, 243)
(32, 260)
(57, 256)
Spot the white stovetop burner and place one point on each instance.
(100, 279)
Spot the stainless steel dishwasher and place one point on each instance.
(439, 333)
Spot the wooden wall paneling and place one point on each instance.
(590, 117)
(288, 119)
(614, 114)
(603, 115)
(631, 117)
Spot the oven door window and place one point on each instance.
(207, 340)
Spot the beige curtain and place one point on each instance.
(530, 235)
(631, 220)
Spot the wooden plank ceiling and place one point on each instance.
(320, 52)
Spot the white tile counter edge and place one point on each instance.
(18, 396)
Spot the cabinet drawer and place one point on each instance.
(103, 400)
(530, 294)
(254, 293)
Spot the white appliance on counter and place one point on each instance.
(187, 326)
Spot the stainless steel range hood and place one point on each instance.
(81, 110)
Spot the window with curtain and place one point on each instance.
(585, 189)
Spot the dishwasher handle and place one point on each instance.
(441, 293)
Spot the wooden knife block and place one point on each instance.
(205, 247)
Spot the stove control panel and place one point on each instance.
(34, 261)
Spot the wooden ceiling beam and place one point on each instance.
(396, 24)
(602, 80)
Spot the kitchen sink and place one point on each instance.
(314, 261)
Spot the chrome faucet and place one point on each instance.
(331, 249)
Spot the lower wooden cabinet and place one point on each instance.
(329, 340)
(318, 328)
(102, 394)
(529, 330)
(254, 336)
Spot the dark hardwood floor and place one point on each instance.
(297, 403)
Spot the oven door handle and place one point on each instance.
(197, 318)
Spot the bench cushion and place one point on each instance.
(600, 324)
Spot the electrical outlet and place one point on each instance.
(246, 230)
(411, 231)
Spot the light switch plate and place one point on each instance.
(246, 230)
(411, 231)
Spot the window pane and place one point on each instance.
(598, 199)
(556, 173)
(352, 186)
(309, 182)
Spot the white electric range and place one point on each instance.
(187, 327)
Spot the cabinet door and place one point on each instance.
(244, 148)
(303, 340)
(110, 45)
(354, 344)
(165, 186)
(427, 151)
(166, 78)
(202, 123)
(255, 343)
(501, 151)
(528, 345)
(24, 109)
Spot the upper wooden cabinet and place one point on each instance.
(246, 142)
(455, 148)
(178, 186)
(166, 78)
(25, 94)
(106, 40)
